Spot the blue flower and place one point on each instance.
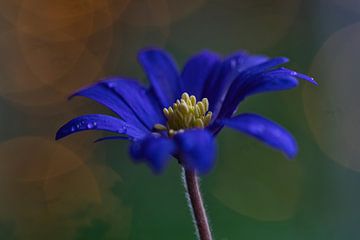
(181, 113)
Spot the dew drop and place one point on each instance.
(110, 84)
(72, 129)
(123, 129)
(89, 125)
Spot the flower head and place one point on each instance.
(180, 114)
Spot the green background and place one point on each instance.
(74, 189)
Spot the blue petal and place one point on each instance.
(250, 77)
(198, 70)
(217, 87)
(242, 60)
(138, 99)
(244, 83)
(162, 73)
(262, 67)
(276, 80)
(99, 122)
(264, 130)
(103, 94)
(300, 75)
(196, 149)
(156, 151)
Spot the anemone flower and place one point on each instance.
(180, 113)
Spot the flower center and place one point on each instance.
(186, 113)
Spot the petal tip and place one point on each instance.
(70, 97)
(284, 59)
(312, 80)
(292, 151)
(291, 155)
(58, 135)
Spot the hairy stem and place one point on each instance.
(196, 205)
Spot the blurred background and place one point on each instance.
(75, 189)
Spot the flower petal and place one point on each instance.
(262, 67)
(162, 73)
(264, 130)
(244, 83)
(103, 94)
(99, 122)
(276, 80)
(250, 76)
(138, 99)
(156, 151)
(300, 75)
(217, 87)
(196, 149)
(197, 70)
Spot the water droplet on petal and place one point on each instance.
(89, 125)
(123, 129)
(110, 84)
(72, 129)
(233, 63)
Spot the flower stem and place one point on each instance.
(196, 205)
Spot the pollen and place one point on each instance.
(186, 113)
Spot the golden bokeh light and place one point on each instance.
(48, 189)
(52, 48)
(57, 15)
(156, 13)
(332, 109)
(36, 158)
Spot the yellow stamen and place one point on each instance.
(186, 113)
